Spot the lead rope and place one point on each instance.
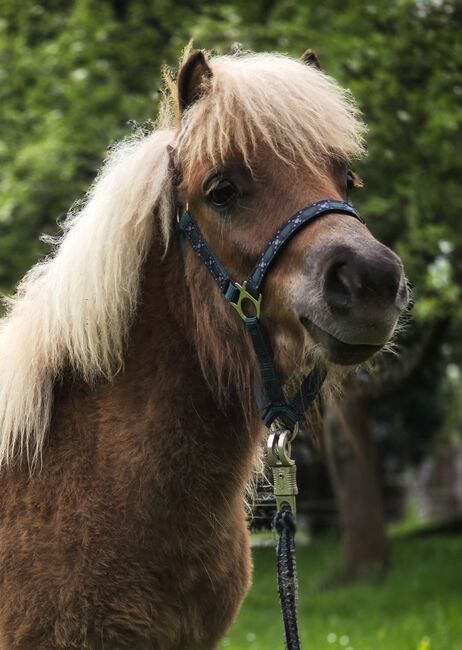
(284, 524)
(285, 490)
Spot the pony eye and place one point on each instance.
(222, 193)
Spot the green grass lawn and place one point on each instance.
(417, 607)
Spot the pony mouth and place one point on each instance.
(337, 351)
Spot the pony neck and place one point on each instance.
(199, 385)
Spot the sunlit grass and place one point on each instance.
(417, 607)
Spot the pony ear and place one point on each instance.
(192, 79)
(309, 57)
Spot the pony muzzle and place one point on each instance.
(361, 291)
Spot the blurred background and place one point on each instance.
(380, 548)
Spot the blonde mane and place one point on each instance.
(75, 308)
(300, 114)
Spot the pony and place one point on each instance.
(128, 426)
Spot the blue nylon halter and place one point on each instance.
(271, 400)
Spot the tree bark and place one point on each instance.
(352, 463)
(351, 453)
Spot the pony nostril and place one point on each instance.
(337, 287)
(383, 276)
(358, 280)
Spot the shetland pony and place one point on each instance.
(128, 427)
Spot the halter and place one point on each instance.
(271, 400)
(277, 413)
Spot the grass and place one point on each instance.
(417, 607)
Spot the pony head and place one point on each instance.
(260, 137)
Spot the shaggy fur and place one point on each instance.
(76, 307)
(126, 374)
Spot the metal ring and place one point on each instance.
(179, 210)
(271, 452)
(284, 448)
(279, 449)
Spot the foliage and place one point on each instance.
(415, 608)
(75, 74)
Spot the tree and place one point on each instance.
(352, 452)
(75, 74)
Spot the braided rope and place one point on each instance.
(284, 524)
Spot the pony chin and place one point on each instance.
(295, 360)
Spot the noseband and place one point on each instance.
(270, 399)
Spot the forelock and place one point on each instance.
(295, 111)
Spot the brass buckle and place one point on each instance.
(245, 295)
(283, 466)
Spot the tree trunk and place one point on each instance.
(352, 462)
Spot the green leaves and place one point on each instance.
(72, 79)
(74, 75)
